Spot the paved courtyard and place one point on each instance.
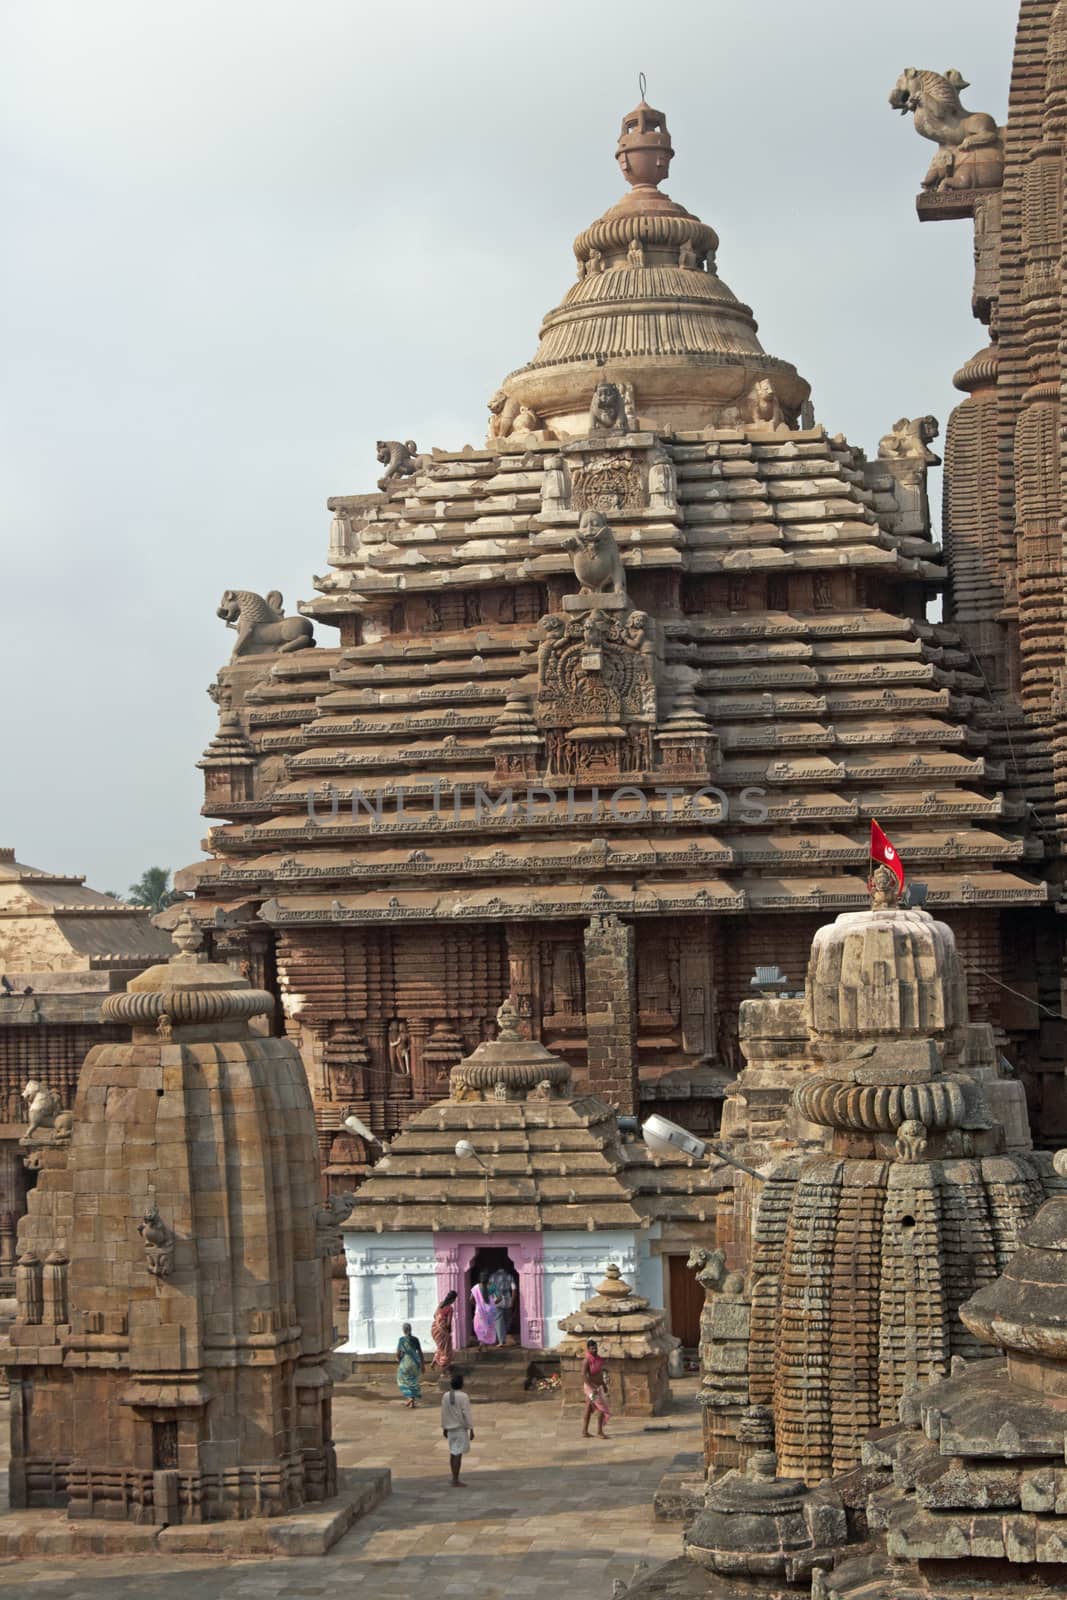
(546, 1513)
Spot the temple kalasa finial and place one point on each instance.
(644, 151)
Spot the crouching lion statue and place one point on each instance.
(970, 153)
(262, 626)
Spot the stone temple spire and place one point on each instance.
(649, 312)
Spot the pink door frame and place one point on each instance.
(454, 1253)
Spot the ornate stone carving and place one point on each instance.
(158, 1242)
(596, 692)
(911, 1142)
(399, 1048)
(43, 1106)
(597, 562)
(554, 487)
(608, 482)
(662, 484)
(909, 440)
(398, 459)
(261, 623)
(970, 150)
(328, 1219)
(611, 408)
(510, 419)
(762, 407)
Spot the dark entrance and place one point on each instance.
(687, 1302)
(503, 1285)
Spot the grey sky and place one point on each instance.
(244, 239)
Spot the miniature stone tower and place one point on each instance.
(864, 1255)
(168, 1360)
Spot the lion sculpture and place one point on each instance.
(611, 409)
(595, 554)
(262, 626)
(970, 153)
(398, 459)
(909, 440)
(44, 1109)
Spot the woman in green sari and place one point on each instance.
(409, 1367)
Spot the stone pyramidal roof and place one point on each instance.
(785, 577)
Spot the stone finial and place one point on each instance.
(970, 148)
(188, 936)
(507, 1021)
(644, 150)
(614, 1285)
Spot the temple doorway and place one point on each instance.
(503, 1287)
(687, 1302)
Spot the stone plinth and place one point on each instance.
(631, 1338)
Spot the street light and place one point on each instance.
(353, 1124)
(466, 1152)
(666, 1138)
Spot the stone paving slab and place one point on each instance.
(546, 1515)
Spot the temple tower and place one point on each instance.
(169, 1358)
(863, 1256)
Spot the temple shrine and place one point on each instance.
(599, 714)
(63, 949)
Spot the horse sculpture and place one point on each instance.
(970, 152)
(262, 626)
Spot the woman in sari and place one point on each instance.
(409, 1367)
(502, 1289)
(595, 1389)
(485, 1323)
(441, 1331)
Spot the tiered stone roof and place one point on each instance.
(50, 922)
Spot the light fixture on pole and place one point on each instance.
(666, 1138)
(466, 1152)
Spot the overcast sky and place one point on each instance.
(243, 239)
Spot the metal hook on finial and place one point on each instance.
(642, 84)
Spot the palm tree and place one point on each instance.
(154, 891)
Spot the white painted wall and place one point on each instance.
(392, 1279)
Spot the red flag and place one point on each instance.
(885, 854)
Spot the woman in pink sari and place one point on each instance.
(441, 1331)
(595, 1389)
(485, 1321)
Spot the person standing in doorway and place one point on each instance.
(457, 1425)
(485, 1322)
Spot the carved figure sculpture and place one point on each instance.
(400, 1049)
(398, 459)
(608, 412)
(595, 554)
(499, 416)
(908, 439)
(261, 623)
(662, 485)
(688, 259)
(635, 255)
(970, 153)
(762, 406)
(553, 487)
(158, 1243)
(911, 1142)
(43, 1106)
(328, 1219)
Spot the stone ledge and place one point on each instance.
(680, 1492)
(310, 1532)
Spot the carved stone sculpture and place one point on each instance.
(400, 1049)
(261, 623)
(597, 562)
(910, 438)
(970, 153)
(762, 406)
(609, 412)
(43, 1106)
(328, 1219)
(662, 485)
(398, 459)
(158, 1243)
